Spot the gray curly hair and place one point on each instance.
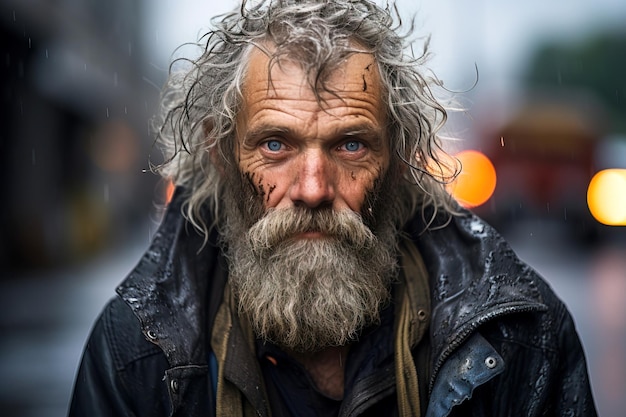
(197, 120)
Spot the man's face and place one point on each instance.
(311, 233)
(300, 152)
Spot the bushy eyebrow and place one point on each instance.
(266, 131)
(358, 131)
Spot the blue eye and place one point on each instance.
(274, 145)
(352, 146)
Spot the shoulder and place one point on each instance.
(119, 332)
(476, 278)
(121, 372)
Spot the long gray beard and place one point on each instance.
(307, 294)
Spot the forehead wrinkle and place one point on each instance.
(268, 67)
(347, 98)
(308, 111)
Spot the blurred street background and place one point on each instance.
(544, 90)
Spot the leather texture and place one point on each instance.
(502, 344)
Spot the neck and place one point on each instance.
(326, 368)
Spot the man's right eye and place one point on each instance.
(273, 145)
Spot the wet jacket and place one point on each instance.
(501, 343)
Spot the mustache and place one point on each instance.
(281, 225)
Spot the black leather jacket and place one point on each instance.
(502, 344)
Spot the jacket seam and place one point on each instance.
(550, 346)
(524, 345)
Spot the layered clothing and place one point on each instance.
(474, 331)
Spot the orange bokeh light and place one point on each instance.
(477, 180)
(606, 197)
(169, 191)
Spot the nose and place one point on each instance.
(314, 184)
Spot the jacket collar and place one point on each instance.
(168, 288)
(474, 277)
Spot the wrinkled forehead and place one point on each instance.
(356, 70)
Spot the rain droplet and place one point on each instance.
(477, 227)
(34, 157)
(46, 53)
(154, 255)
(106, 193)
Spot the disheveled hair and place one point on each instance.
(196, 127)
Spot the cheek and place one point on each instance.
(356, 186)
(274, 189)
(263, 186)
(243, 196)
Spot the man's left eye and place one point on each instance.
(352, 146)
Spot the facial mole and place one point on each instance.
(352, 175)
(364, 83)
(368, 67)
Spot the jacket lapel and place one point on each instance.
(167, 290)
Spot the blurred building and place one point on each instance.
(75, 106)
(564, 125)
(544, 157)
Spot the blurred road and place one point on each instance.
(46, 317)
(44, 321)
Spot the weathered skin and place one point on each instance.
(298, 151)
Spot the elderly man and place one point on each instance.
(311, 263)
